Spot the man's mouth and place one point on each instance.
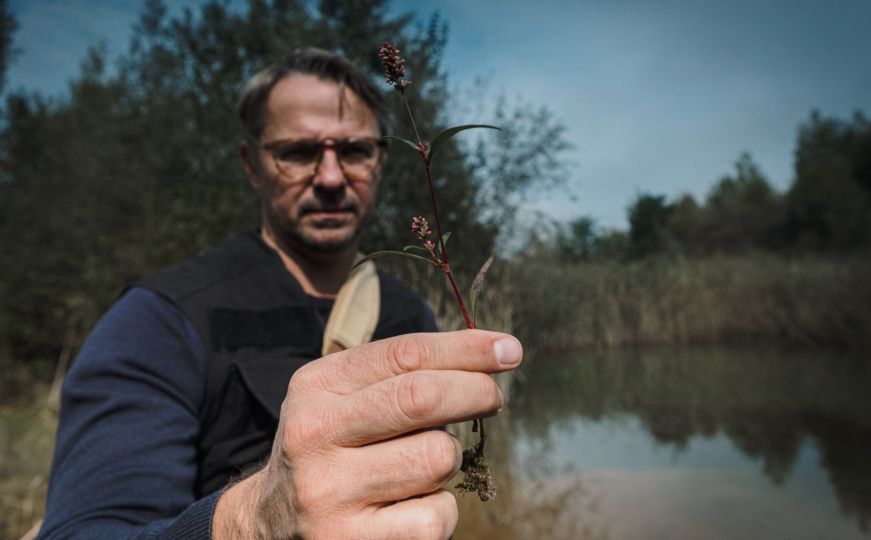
(327, 216)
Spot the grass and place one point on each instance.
(812, 301)
(723, 299)
(26, 442)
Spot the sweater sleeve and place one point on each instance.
(125, 455)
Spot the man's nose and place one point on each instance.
(329, 174)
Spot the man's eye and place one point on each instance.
(298, 153)
(358, 151)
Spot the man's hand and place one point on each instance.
(354, 456)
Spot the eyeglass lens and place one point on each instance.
(357, 157)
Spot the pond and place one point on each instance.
(681, 443)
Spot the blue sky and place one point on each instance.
(659, 97)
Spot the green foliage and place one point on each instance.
(830, 202)
(388, 252)
(578, 240)
(443, 137)
(138, 167)
(411, 144)
(525, 158)
(8, 25)
(649, 216)
(742, 212)
(612, 244)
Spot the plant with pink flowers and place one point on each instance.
(477, 475)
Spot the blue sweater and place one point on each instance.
(124, 462)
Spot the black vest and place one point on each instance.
(257, 327)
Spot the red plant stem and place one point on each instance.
(446, 267)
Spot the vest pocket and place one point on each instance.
(266, 379)
(239, 437)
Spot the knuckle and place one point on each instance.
(440, 456)
(293, 438)
(311, 493)
(419, 395)
(491, 392)
(304, 377)
(431, 523)
(405, 354)
(306, 427)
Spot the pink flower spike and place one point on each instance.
(420, 226)
(394, 66)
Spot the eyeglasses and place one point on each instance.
(298, 159)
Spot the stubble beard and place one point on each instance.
(326, 239)
(307, 237)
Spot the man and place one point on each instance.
(177, 419)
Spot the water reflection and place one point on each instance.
(683, 443)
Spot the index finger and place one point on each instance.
(466, 350)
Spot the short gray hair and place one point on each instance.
(307, 61)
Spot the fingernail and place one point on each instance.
(508, 351)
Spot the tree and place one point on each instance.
(8, 25)
(612, 244)
(742, 211)
(829, 203)
(577, 241)
(649, 216)
(686, 225)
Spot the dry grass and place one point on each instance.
(810, 301)
(26, 442)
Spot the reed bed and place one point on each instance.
(720, 299)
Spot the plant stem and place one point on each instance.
(446, 266)
(411, 117)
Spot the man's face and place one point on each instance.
(322, 211)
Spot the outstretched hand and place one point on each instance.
(354, 455)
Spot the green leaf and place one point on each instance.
(438, 249)
(379, 254)
(476, 285)
(416, 248)
(450, 132)
(412, 144)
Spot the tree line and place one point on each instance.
(826, 209)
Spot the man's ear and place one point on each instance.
(250, 163)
